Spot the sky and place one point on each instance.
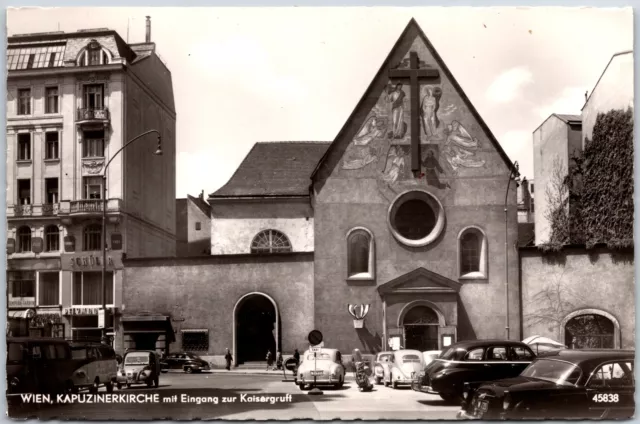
(242, 75)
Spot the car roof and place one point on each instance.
(588, 356)
(403, 351)
(487, 342)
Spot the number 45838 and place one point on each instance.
(606, 397)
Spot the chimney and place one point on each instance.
(202, 195)
(148, 36)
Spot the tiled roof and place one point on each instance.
(275, 169)
(201, 204)
(569, 118)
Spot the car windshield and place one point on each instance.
(410, 358)
(320, 355)
(453, 353)
(558, 372)
(192, 355)
(384, 357)
(136, 359)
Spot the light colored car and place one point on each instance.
(405, 366)
(429, 355)
(97, 366)
(139, 367)
(326, 367)
(381, 366)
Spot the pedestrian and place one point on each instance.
(228, 358)
(296, 356)
(269, 360)
(279, 361)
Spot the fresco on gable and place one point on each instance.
(383, 143)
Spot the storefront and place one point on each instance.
(147, 331)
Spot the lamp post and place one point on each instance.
(514, 174)
(158, 152)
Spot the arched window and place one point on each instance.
(51, 238)
(270, 241)
(589, 331)
(24, 239)
(93, 54)
(360, 254)
(92, 235)
(472, 253)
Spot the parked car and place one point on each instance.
(429, 355)
(97, 366)
(472, 362)
(139, 367)
(186, 361)
(404, 366)
(325, 368)
(381, 365)
(576, 384)
(38, 365)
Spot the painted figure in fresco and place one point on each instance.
(429, 110)
(373, 127)
(395, 96)
(432, 169)
(362, 152)
(395, 164)
(460, 147)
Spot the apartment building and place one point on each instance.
(74, 100)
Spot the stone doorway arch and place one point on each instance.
(421, 322)
(256, 327)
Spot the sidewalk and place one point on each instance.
(240, 371)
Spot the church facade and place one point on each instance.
(392, 235)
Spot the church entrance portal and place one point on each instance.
(421, 329)
(256, 328)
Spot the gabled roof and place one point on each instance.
(420, 280)
(413, 25)
(273, 169)
(603, 72)
(201, 204)
(567, 119)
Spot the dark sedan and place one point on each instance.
(575, 384)
(186, 361)
(472, 362)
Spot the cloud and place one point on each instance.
(205, 169)
(507, 86)
(570, 101)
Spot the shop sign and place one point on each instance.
(11, 246)
(69, 244)
(88, 262)
(22, 302)
(116, 241)
(36, 244)
(80, 311)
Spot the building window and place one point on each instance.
(92, 236)
(195, 340)
(94, 96)
(531, 187)
(24, 146)
(46, 56)
(24, 239)
(532, 206)
(24, 101)
(49, 289)
(472, 253)
(416, 218)
(51, 102)
(94, 56)
(87, 288)
(590, 331)
(22, 283)
(270, 241)
(51, 145)
(360, 254)
(93, 144)
(198, 227)
(92, 188)
(51, 188)
(24, 192)
(52, 238)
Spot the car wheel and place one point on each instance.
(449, 397)
(119, 386)
(386, 383)
(109, 387)
(94, 387)
(128, 385)
(70, 388)
(301, 386)
(164, 371)
(156, 383)
(378, 380)
(394, 384)
(339, 384)
(188, 370)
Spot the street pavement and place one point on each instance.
(244, 396)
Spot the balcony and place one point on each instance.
(50, 209)
(92, 116)
(89, 208)
(22, 210)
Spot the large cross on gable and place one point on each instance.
(414, 74)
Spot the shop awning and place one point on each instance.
(148, 323)
(23, 314)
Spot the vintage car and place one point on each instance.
(186, 361)
(38, 365)
(429, 355)
(139, 367)
(575, 384)
(97, 366)
(381, 366)
(472, 362)
(404, 366)
(323, 367)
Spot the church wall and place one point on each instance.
(576, 279)
(200, 293)
(234, 225)
(355, 188)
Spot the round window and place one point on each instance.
(416, 218)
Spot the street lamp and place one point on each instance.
(158, 152)
(514, 174)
